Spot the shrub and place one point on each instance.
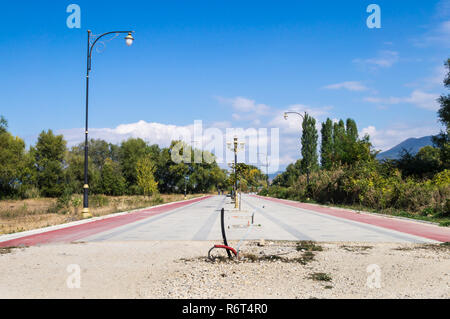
(371, 185)
(98, 200)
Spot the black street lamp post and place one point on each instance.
(129, 41)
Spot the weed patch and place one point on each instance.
(307, 245)
(319, 276)
(356, 248)
(7, 250)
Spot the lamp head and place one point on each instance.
(129, 39)
(285, 116)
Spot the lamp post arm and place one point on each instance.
(98, 38)
(293, 112)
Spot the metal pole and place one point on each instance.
(222, 224)
(236, 203)
(307, 168)
(90, 47)
(85, 211)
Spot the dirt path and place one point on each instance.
(179, 269)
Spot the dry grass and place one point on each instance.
(22, 215)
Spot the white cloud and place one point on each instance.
(348, 85)
(419, 98)
(293, 123)
(153, 133)
(424, 100)
(385, 59)
(245, 105)
(439, 35)
(438, 76)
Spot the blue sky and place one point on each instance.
(228, 63)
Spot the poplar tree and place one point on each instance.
(352, 130)
(442, 140)
(339, 135)
(309, 145)
(326, 148)
(145, 178)
(3, 124)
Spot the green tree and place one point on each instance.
(3, 125)
(112, 181)
(131, 151)
(442, 140)
(49, 158)
(326, 147)
(99, 151)
(425, 164)
(339, 135)
(309, 144)
(12, 153)
(145, 178)
(351, 130)
(288, 177)
(74, 174)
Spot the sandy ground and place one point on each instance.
(175, 269)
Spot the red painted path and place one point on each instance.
(409, 227)
(76, 232)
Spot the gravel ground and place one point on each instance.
(270, 269)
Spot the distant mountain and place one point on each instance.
(273, 175)
(412, 145)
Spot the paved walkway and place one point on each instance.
(274, 219)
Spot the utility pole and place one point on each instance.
(235, 147)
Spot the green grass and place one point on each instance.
(436, 218)
(437, 247)
(304, 259)
(320, 276)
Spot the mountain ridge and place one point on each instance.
(412, 145)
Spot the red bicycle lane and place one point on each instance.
(429, 231)
(77, 232)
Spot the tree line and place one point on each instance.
(134, 167)
(349, 173)
(340, 146)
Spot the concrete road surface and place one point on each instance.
(259, 218)
(275, 221)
